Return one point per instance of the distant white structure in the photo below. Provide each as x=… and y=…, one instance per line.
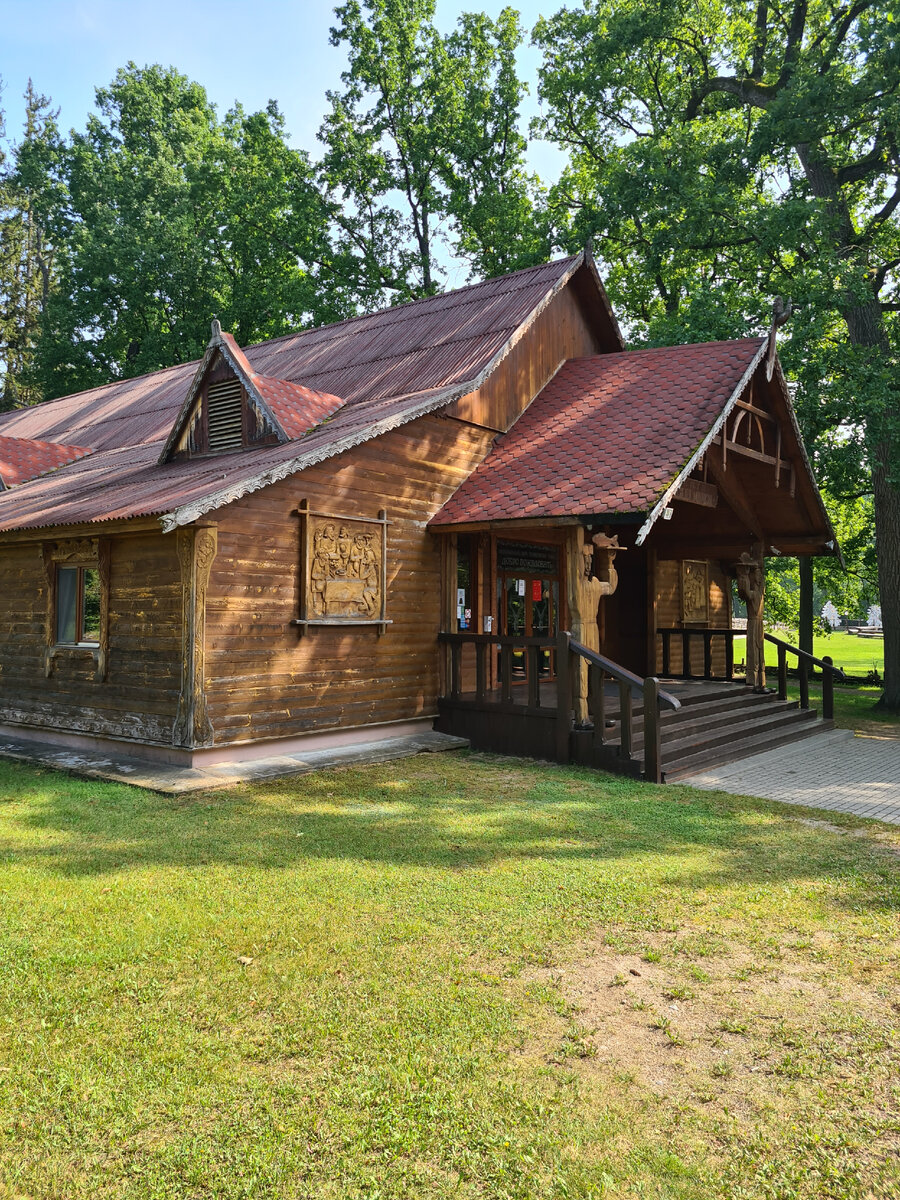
x=873, y=616
x=830, y=615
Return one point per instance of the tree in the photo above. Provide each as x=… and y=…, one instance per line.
x=173, y=216
x=424, y=139
x=723, y=151
x=28, y=195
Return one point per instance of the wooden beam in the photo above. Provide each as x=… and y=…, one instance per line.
x=695, y=491
x=730, y=489
x=758, y=412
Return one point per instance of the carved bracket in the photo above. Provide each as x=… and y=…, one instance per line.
x=196, y=551
x=343, y=569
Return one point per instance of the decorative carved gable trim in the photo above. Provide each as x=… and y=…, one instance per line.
x=222, y=350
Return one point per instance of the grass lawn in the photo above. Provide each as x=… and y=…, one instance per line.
x=854, y=708
x=855, y=655
x=452, y=976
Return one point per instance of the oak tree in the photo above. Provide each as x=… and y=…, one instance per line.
x=723, y=151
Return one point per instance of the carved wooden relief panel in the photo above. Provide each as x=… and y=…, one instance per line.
x=694, y=591
x=342, y=569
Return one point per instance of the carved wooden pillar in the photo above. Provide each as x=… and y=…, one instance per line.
x=196, y=551
x=751, y=583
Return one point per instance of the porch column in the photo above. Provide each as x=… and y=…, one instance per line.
x=751, y=584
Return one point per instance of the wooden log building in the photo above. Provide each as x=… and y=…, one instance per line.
x=425, y=514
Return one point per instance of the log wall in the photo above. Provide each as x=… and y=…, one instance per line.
x=264, y=678
x=668, y=615
x=561, y=331
x=139, y=696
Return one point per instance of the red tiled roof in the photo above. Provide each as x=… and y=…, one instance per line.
x=22, y=458
x=387, y=366
x=607, y=435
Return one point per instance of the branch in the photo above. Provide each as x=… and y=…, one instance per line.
x=794, y=40
x=761, y=39
x=858, y=170
x=748, y=91
x=882, y=215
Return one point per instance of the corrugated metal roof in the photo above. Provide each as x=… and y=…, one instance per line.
x=387, y=367
x=607, y=434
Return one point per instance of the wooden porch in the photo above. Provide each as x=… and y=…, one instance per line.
x=657, y=729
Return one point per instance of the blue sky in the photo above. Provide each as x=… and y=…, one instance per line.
x=252, y=52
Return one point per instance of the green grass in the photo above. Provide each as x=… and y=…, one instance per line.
x=854, y=708
x=470, y=977
x=854, y=655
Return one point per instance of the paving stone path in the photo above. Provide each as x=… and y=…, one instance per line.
x=840, y=770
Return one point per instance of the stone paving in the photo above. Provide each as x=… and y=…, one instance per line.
x=838, y=770
x=159, y=777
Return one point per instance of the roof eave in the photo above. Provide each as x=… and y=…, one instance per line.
x=717, y=425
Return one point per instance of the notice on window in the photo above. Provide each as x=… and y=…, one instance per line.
x=520, y=586
x=536, y=589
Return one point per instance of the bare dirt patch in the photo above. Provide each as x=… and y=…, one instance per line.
x=741, y=1039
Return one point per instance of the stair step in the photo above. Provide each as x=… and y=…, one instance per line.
x=743, y=699
x=713, y=718
x=743, y=748
x=724, y=725
x=676, y=748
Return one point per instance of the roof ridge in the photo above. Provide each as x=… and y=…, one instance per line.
x=392, y=308
x=194, y=362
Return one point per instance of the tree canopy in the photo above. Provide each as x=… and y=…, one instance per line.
x=423, y=147
x=722, y=152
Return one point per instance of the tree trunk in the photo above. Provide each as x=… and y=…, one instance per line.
x=865, y=327
x=887, y=547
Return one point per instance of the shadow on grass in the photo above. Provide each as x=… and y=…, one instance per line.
x=459, y=814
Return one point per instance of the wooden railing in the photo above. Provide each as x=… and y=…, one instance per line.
x=804, y=662
x=653, y=701
x=685, y=636
x=527, y=702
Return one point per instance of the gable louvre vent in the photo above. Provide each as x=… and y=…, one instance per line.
x=225, y=409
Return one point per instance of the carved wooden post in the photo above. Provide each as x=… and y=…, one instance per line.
x=652, y=739
x=751, y=584
x=196, y=551
x=101, y=656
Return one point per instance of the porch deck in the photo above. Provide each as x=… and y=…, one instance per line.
x=691, y=723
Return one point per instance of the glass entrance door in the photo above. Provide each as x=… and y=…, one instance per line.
x=528, y=599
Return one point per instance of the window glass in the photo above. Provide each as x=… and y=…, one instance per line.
x=90, y=630
x=67, y=604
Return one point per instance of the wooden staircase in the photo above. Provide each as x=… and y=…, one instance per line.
x=661, y=730
x=720, y=723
